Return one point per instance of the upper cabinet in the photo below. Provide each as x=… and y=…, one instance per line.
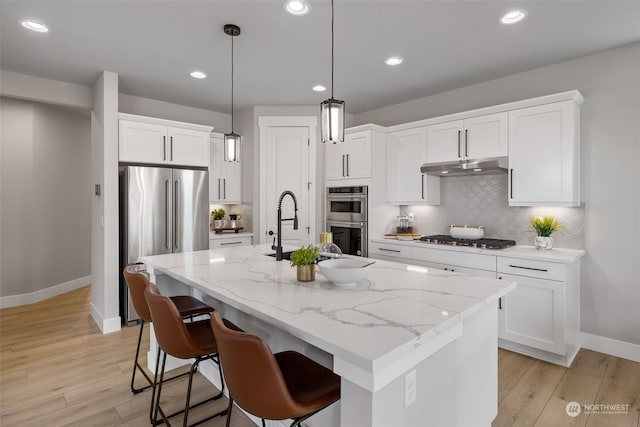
x=477, y=137
x=544, y=155
x=406, y=151
x=156, y=141
x=225, y=185
x=350, y=159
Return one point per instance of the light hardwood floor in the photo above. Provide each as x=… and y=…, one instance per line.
x=56, y=369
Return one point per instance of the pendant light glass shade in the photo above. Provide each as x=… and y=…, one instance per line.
x=332, y=110
x=232, y=147
x=232, y=140
x=332, y=119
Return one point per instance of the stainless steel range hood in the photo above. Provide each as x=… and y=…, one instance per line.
x=491, y=166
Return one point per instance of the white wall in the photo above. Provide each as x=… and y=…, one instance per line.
x=44, y=197
x=610, y=83
x=165, y=110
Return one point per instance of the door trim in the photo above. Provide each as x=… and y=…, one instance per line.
x=265, y=122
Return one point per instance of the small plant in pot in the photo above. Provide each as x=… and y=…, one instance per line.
x=218, y=215
x=544, y=226
x=304, y=260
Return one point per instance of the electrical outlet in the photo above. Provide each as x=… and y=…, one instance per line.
x=410, y=386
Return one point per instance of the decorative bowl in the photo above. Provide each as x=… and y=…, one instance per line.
x=344, y=271
x=466, y=232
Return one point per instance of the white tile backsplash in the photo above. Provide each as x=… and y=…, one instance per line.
x=482, y=200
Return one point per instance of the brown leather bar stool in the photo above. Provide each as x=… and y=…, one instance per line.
x=193, y=340
x=187, y=305
x=290, y=384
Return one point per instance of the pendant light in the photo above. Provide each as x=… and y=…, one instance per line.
x=332, y=110
x=232, y=140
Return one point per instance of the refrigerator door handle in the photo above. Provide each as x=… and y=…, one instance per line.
x=166, y=213
x=176, y=206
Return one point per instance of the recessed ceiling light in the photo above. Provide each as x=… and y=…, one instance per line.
x=444, y=172
x=319, y=88
x=297, y=7
x=513, y=16
x=477, y=170
x=394, y=60
x=34, y=26
x=198, y=75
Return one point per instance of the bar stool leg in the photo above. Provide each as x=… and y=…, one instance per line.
x=229, y=410
x=155, y=383
x=194, y=368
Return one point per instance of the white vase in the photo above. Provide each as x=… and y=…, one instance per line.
x=543, y=242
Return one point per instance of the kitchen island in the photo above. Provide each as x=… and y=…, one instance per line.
x=414, y=346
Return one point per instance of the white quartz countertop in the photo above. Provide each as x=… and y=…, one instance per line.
x=215, y=236
x=395, y=310
x=560, y=255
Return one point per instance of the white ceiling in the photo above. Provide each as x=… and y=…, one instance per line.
x=154, y=45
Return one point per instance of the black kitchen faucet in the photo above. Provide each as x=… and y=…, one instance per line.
x=278, y=247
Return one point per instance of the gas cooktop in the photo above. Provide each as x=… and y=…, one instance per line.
x=443, y=239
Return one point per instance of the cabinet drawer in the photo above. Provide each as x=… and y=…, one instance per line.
x=230, y=242
x=531, y=268
x=461, y=259
x=389, y=250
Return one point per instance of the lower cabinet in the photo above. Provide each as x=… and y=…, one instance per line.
x=229, y=242
x=534, y=313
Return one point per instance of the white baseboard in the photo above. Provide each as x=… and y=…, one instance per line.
x=623, y=349
x=43, y=294
x=106, y=325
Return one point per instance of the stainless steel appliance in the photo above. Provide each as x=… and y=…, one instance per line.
x=162, y=211
x=443, y=239
x=347, y=218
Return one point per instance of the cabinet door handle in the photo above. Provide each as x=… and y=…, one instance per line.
x=166, y=213
x=164, y=147
x=528, y=268
x=459, y=132
x=500, y=303
x=343, y=165
x=230, y=243
x=176, y=208
x=219, y=194
x=224, y=188
x=389, y=250
x=347, y=165
x=422, y=182
x=511, y=183
x=171, y=147
x=466, y=142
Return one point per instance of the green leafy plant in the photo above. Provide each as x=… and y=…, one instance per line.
x=544, y=226
x=218, y=213
x=305, y=256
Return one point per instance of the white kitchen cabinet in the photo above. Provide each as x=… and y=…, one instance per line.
x=225, y=178
x=405, y=154
x=350, y=159
x=155, y=141
x=542, y=315
x=544, y=155
x=477, y=137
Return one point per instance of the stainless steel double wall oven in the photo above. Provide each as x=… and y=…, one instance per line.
x=347, y=218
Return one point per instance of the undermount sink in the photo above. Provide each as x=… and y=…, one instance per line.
x=287, y=256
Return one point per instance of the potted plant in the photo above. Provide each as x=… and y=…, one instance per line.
x=304, y=260
x=218, y=222
x=544, y=226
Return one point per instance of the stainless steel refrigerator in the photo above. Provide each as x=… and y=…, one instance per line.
x=162, y=210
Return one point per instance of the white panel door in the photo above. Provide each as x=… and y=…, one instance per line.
x=533, y=314
x=288, y=169
x=142, y=142
x=188, y=147
x=444, y=142
x=486, y=136
x=544, y=155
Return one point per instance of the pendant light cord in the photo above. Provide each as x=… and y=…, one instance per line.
x=232, y=83
x=331, y=49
